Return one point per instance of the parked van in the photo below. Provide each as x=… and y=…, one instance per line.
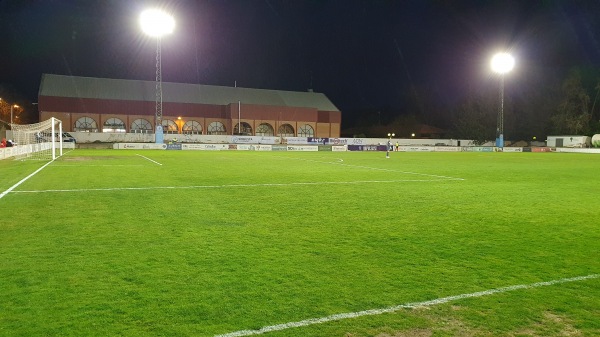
x=42, y=137
x=66, y=137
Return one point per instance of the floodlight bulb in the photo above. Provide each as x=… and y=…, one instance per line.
x=156, y=23
x=502, y=63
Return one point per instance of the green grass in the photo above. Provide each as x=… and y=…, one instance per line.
x=241, y=240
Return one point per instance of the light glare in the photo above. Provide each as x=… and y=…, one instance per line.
x=156, y=23
x=502, y=63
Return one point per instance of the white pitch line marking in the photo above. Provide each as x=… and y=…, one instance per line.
x=155, y=162
x=231, y=186
x=80, y=166
x=23, y=180
x=372, y=312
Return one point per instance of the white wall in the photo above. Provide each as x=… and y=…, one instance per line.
x=101, y=137
x=570, y=141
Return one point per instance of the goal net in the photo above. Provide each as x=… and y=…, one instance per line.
x=41, y=141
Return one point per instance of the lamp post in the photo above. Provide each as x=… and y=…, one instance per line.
x=157, y=23
x=179, y=124
x=11, y=112
x=501, y=64
x=389, y=144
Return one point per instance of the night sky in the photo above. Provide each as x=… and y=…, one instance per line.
x=364, y=55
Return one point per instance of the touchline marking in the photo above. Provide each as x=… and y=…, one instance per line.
x=229, y=186
x=23, y=180
x=155, y=162
x=372, y=312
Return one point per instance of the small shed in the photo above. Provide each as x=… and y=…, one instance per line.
x=569, y=141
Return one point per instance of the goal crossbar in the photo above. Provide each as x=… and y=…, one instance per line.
x=41, y=141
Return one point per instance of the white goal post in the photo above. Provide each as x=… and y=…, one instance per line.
x=41, y=141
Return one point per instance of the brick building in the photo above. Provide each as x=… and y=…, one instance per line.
x=88, y=104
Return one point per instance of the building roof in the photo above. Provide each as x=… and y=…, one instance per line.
x=428, y=129
x=135, y=90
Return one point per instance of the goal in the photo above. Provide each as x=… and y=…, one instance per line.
x=41, y=141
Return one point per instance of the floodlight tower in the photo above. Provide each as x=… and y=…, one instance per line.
x=157, y=23
x=501, y=64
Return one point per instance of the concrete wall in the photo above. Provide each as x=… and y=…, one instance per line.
x=569, y=141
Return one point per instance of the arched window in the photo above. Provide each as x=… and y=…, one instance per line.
x=306, y=131
x=246, y=129
x=86, y=124
x=285, y=130
x=169, y=127
x=114, y=125
x=141, y=126
x=192, y=128
x=216, y=128
x=265, y=130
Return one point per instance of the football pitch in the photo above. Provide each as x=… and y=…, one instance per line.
x=349, y=244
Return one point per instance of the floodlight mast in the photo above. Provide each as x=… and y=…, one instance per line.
x=501, y=63
x=158, y=93
x=157, y=23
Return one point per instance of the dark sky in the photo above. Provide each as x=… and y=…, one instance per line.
x=361, y=54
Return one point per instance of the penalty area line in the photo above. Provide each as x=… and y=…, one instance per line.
x=373, y=312
x=154, y=161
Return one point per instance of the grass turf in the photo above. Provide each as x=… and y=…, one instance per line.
x=172, y=243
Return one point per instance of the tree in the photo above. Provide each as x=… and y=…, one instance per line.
x=595, y=123
x=8, y=97
x=573, y=114
x=5, y=114
x=476, y=119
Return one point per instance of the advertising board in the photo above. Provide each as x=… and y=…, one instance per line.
x=366, y=147
x=176, y=146
x=416, y=148
x=139, y=146
x=207, y=147
x=255, y=140
x=302, y=148
x=447, y=149
x=315, y=141
x=483, y=149
x=295, y=140
x=278, y=148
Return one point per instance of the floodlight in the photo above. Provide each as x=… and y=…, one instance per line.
x=502, y=63
x=156, y=22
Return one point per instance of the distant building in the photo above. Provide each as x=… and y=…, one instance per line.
x=431, y=132
x=111, y=105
